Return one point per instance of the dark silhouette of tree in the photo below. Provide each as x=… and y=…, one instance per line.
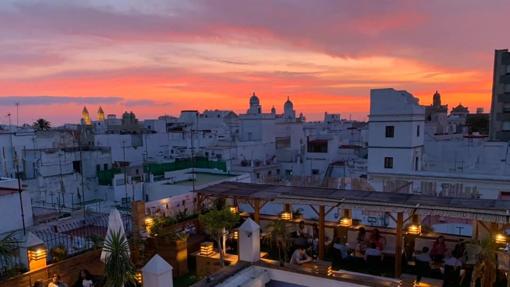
x=41, y=125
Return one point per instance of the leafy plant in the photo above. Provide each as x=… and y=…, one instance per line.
x=8, y=246
x=118, y=267
x=162, y=227
x=58, y=253
x=97, y=241
x=279, y=238
x=181, y=215
x=216, y=223
x=41, y=125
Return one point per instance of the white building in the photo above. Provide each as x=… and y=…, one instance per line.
x=395, y=133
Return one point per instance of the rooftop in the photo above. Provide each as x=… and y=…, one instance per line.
x=481, y=209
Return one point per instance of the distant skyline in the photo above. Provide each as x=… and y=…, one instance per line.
x=158, y=57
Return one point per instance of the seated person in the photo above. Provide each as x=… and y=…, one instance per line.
x=452, y=271
x=422, y=261
x=373, y=259
x=372, y=251
x=342, y=248
x=439, y=249
x=299, y=256
x=377, y=239
x=302, y=231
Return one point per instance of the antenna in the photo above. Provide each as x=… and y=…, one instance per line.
x=17, y=114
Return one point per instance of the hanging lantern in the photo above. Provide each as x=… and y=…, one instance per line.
x=415, y=227
x=139, y=277
x=346, y=219
x=149, y=222
x=206, y=248
x=500, y=238
x=234, y=209
x=286, y=215
x=235, y=234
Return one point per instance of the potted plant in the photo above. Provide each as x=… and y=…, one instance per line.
x=279, y=238
x=216, y=223
x=119, y=270
x=58, y=253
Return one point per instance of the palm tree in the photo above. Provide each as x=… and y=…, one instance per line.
x=41, y=125
x=279, y=237
x=118, y=267
x=216, y=223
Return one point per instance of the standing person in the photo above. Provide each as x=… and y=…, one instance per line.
x=439, y=249
x=361, y=240
x=422, y=261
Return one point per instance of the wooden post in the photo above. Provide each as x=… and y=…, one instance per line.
x=474, y=235
x=256, y=212
x=398, y=244
x=287, y=207
x=322, y=215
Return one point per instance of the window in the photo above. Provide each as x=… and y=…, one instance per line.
x=315, y=171
x=258, y=175
x=77, y=166
x=418, y=131
x=390, y=131
x=417, y=163
x=105, y=166
x=506, y=126
x=388, y=162
x=98, y=167
x=506, y=108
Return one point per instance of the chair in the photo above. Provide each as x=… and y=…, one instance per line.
x=451, y=276
x=374, y=264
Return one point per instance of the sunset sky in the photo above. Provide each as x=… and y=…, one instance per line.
x=158, y=57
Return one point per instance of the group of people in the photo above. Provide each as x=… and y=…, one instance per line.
x=450, y=261
x=304, y=239
x=84, y=280
x=370, y=243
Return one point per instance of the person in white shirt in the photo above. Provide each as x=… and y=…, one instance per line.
x=299, y=256
x=372, y=251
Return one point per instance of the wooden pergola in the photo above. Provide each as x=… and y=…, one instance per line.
x=324, y=200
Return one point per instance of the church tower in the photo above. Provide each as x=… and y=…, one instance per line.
x=255, y=108
x=85, y=117
x=288, y=110
x=100, y=114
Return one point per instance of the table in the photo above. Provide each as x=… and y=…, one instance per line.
x=317, y=267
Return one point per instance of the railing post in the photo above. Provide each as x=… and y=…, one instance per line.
x=322, y=215
x=398, y=245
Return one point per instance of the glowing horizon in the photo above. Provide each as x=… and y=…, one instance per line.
x=159, y=57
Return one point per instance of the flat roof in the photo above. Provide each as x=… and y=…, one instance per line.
x=490, y=210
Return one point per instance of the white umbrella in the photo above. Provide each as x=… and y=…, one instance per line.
x=116, y=225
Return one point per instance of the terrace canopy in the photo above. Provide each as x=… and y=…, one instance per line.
x=326, y=199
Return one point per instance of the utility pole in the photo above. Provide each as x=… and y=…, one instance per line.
x=193, y=155
x=62, y=190
x=20, y=189
x=17, y=114
x=125, y=170
x=82, y=175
